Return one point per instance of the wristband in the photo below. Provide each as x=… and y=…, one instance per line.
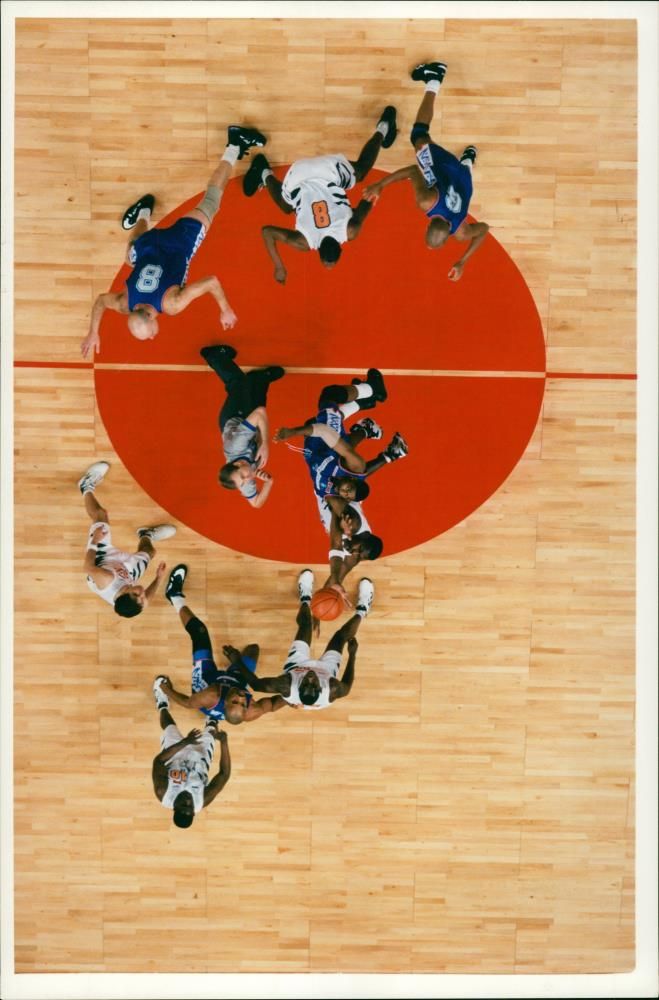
x=337, y=554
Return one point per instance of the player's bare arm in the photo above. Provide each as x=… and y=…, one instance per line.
x=358, y=217
x=117, y=302
x=266, y=685
x=276, y=234
x=264, y=705
x=339, y=689
x=198, y=699
x=215, y=786
x=372, y=191
x=153, y=586
x=474, y=231
x=177, y=299
x=259, y=419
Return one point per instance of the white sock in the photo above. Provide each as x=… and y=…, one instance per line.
x=266, y=173
x=362, y=612
x=178, y=602
x=433, y=86
x=382, y=128
x=87, y=489
x=467, y=163
x=144, y=213
x=347, y=409
x=364, y=390
x=231, y=154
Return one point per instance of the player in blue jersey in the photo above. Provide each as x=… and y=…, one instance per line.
x=442, y=183
x=218, y=692
x=160, y=258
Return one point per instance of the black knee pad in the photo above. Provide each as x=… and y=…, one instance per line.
x=419, y=131
x=332, y=395
x=199, y=634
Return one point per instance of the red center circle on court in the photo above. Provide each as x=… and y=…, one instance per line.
x=387, y=304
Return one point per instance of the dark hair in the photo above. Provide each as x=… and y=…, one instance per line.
x=371, y=544
x=362, y=490
x=437, y=233
x=126, y=606
x=183, y=819
x=329, y=250
x=225, y=475
x=308, y=697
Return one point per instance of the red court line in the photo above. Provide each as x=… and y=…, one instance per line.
x=466, y=374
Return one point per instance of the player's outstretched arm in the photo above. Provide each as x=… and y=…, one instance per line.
x=215, y=786
x=180, y=300
x=372, y=191
x=267, y=685
x=358, y=217
x=276, y=234
x=198, y=699
x=474, y=231
x=153, y=586
x=117, y=302
x=339, y=689
x=283, y=433
x=263, y=706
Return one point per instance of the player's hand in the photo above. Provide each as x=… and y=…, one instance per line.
x=231, y=653
x=160, y=572
x=371, y=193
x=456, y=271
x=280, y=274
x=281, y=434
x=221, y=736
x=193, y=737
x=315, y=628
x=353, y=645
x=91, y=345
x=228, y=318
x=262, y=474
x=166, y=684
x=100, y=534
x=341, y=590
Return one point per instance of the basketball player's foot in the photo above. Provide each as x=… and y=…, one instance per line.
x=216, y=356
x=369, y=427
x=162, y=701
x=365, y=593
x=175, y=583
x=305, y=586
x=469, y=153
x=156, y=532
x=253, y=179
x=245, y=138
x=93, y=476
x=274, y=373
x=429, y=71
x=388, y=118
x=375, y=380
x=397, y=448
x=131, y=215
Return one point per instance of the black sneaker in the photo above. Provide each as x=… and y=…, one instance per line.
x=375, y=380
x=274, y=373
x=244, y=138
x=469, y=153
x=429, y=71
x=369, y=427
x=216, y=355
x=253, y=179
x=397, y=448
x=175, y=583
x=129, y=220
x=388, y=116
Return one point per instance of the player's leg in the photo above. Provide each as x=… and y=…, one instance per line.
x=366, y=428
x=257, y=383
x=201, y=641
x=303, y=619
x=87, y=485
x=382, y=138
x=432, y=74
x=220, y=357
x=365, y=393
x=260, y=176
x=240, y=140
x=396, y=449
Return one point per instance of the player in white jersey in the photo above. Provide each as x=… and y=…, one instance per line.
x=315, y=189
x=112, y=573
x=313, y=683
x=180, y=770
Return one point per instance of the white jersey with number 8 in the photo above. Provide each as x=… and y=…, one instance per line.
x=316, y=189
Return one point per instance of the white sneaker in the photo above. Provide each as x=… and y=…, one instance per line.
x=365, y=594
x=93, y=476
x=157, y=531
x=305, y=585
x=162, y=701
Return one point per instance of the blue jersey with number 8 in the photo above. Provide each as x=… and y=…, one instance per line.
x=160, y=259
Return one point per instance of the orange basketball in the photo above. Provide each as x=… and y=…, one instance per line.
x=327, y=604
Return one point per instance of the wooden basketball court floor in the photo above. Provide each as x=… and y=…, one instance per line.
x=470, y=807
